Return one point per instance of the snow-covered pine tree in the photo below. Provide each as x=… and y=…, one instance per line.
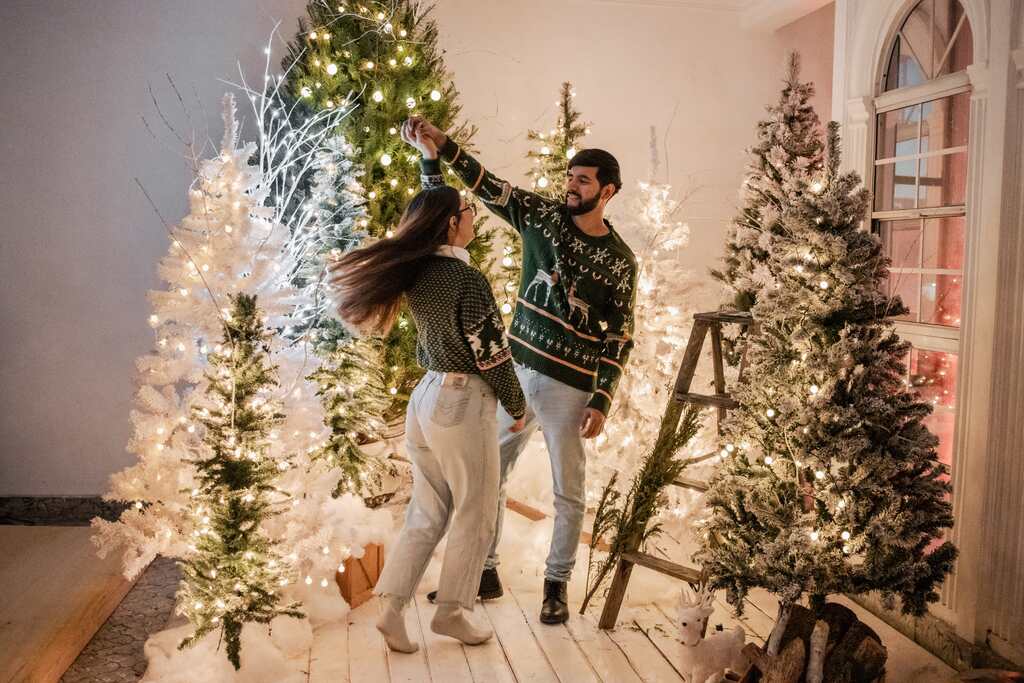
x=832, y=483
x=235, y=573
x=789, y=146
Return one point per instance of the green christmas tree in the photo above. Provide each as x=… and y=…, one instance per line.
x=383, y=58
x=831, y=482
x=354, y=398
x=233, y=574
x=549, y=155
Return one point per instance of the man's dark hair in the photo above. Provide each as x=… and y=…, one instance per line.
x=607, y=166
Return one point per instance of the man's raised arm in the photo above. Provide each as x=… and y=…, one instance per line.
x=500, y=196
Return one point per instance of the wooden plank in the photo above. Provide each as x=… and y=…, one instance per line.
x=489, y=662
x=676, y=571
x=716, y=400
x=531, y=513
x=661, y=631
x=604, y=656
x=562, y=652
x=691, y=356
x=57, y=594
x=367, y=659
x=525, y=656
x=728, y=317
x=328, y=658
x=410, y=668
x=445, y=656
x=692, y=484
x=643, y=656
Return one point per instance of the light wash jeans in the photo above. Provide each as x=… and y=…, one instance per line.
x=451, y=435
x=557, y=409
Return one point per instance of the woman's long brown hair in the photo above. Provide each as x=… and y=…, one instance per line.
x=369, y=282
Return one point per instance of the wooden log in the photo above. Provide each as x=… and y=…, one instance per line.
x=816, y=655
x=786, y=667
x=842, y=663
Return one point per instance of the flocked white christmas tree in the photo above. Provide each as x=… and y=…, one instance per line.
x=236, y=240
x=668, y=294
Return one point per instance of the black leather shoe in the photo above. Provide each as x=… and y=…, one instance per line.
x=490, y=587
x=555, y=609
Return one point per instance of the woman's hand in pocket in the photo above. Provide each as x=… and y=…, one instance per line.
x=518, y=425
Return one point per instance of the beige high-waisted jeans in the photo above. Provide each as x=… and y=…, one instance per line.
x=451, y=434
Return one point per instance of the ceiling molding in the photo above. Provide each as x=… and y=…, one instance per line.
x=734, y=6
x=771, y=15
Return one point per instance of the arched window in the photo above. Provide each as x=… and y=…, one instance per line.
x=920, y=180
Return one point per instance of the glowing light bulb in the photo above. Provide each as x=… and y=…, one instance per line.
x=370, y=65
x=385, y=159
x=770, y=412
x=823, y=284
x=154, y=320
x=378, y=96
x=814, y=535
x=507, y=262
x=768, y=460
x=332, y=68
x=407, y=61
x=309, y=580
x=312, y=35
x=570, y=153
x=410, y=102
x=306, y=92
x=545, y=150
x=845, y=535
x=542, y=182
x=506, y=308
x=820, y=474
x=816, y=187
x=814, y=389
x=393, y=391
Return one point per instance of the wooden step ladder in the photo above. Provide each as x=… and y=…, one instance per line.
x=703, y=323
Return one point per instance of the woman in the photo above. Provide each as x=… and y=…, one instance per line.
x=451, y=425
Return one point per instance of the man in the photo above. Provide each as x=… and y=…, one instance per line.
x=571, y=333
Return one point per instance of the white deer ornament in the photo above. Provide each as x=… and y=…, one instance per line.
x=705, y=658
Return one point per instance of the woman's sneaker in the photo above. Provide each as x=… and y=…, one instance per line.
x=490, y=587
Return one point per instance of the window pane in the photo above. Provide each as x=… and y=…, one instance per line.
x=940, y=300
x=948, y=16
x=943, y=180
x=934, y=374
x=944, y=122
x=902, y=240
x=906, y=286
x=916, y=45
x=944, y=243
x=897, y=132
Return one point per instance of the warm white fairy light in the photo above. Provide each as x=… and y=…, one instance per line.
x=332, y=69
x=435, y=95
x=378, y=96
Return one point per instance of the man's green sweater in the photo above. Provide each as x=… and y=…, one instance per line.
x=574, y=313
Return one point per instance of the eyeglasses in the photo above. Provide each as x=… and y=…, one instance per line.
x=471, y=207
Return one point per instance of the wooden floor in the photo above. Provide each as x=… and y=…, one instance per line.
x=522, y=649
x=56, y=594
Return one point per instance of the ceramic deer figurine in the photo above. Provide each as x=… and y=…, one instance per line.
x=705, y=658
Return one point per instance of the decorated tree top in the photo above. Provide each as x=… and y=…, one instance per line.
x=551, y=151
x=382, y=58
x=789, y=148
x=832, y=482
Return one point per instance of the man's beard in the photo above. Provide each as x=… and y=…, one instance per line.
x=583, y=206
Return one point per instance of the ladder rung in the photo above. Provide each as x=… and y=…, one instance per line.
x=661, y=566
x=724, y=317
x=692, y=484
x=719, y=400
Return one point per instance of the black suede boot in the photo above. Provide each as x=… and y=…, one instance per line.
x=555, y=609
x=490, y=587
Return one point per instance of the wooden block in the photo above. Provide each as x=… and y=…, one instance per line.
x=57, y=594
x=361, y=575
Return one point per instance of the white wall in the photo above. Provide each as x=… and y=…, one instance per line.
x=80, y=244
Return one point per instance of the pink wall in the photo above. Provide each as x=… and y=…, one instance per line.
x=813, y=36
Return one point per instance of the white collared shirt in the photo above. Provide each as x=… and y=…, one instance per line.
x=453, y=252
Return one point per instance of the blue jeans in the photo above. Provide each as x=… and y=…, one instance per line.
x=557, y=409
